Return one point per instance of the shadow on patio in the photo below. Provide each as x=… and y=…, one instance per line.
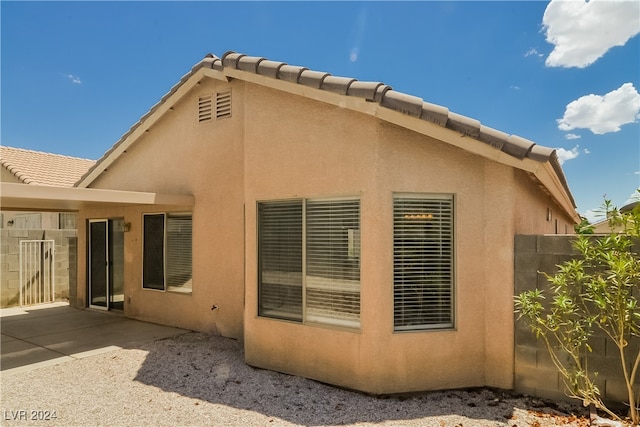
x=53, y=333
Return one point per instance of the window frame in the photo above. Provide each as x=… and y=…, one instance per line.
x=165, y=245
x=353, y=254
x=427, y=326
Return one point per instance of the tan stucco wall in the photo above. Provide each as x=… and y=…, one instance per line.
x=307, y=149
x=181, y=156
x=278, y=146
x=537, y=213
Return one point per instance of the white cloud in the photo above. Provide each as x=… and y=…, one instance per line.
x=597, y=214
x=583, y=31
x=603, y=114
x=636, y=173
x=533, y=52
x=564, y=155
x=514, y=87
x=74, y=79
x=358, y=35
x=593, y=215
x=635, y=196
x=572, y=136
x=353, y=55
x=586, y=151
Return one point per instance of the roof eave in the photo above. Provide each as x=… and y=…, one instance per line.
x=431, y=120
x=541, y=166
x=15, y=196
x=547, y=175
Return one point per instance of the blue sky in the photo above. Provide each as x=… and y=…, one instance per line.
x=565, y=74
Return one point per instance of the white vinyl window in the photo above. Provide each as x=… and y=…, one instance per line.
x=309, y=261
x=423, y=270
x=167, y=252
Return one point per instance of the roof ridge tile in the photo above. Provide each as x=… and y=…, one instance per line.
x=290, y=73
x=312, y=78
x=518, y=146
x=434, y=113
x=365, y=90
x=336, y=84
x=463, y=124
x=493, y=137
x=383, y=94
x=231, y=58
x=249, y=63
x=402, y=102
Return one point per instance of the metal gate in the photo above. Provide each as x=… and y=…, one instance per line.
x=37, y=281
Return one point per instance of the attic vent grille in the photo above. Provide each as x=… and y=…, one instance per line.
x=223, y=104
x=204, y=108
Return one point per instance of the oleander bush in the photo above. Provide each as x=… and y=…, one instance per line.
x=598, y=290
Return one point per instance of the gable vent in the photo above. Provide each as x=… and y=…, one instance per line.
x=223, y=104
x=204, y=108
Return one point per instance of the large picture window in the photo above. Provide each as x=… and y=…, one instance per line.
x=309, y=261
x=167, y=252
x=423, y=278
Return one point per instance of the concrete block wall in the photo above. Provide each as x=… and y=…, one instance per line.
x=535, y=373
x=65, y=262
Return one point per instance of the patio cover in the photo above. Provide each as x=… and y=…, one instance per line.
x=26, y=197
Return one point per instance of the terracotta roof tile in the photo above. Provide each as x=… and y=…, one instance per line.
x=512, y=145
x=36, y=167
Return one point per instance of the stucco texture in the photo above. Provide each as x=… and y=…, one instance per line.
x=300, y=148
x=279, y=146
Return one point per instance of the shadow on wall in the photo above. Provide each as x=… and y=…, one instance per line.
x=212, y=369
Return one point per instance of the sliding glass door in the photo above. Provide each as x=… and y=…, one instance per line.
x=106, y=264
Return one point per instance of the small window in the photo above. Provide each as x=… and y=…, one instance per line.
x=309, y=261
x=423, y=275
x=167, y=252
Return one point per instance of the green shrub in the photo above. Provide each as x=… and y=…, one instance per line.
x=597, y=290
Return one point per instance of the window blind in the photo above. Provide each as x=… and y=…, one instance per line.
x=423, y=261
x=179, y=253
x=332, y=281
x=280, y=259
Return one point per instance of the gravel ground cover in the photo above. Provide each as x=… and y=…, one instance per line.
x=197, y=379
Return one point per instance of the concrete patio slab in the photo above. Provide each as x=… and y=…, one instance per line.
x=49, y=334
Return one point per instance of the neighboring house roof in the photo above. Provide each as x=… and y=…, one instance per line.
x=374, y=98
x=603, y=227
x=36, y=167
